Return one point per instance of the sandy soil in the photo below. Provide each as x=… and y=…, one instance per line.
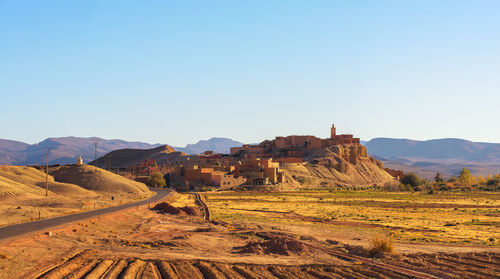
x=144, y=243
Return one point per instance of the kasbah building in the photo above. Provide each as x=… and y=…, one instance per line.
x=249, y=164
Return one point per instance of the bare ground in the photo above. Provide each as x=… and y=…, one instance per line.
x=144, y=243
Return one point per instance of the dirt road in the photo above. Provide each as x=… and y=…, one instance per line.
x=28, y=227
x=201, y=202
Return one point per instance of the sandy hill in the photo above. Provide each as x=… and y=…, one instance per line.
x=26, y=182
x=71, y=189
x=96, y=179
x=132, y=157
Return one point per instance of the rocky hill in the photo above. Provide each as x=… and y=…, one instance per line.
x=133, y=157
x=333, y=162
x=342, y=165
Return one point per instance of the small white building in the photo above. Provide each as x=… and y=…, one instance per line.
x=79, y=161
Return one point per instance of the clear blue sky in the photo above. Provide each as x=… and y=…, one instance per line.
x=178, y=71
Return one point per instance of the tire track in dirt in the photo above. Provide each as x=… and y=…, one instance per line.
x=201, y=202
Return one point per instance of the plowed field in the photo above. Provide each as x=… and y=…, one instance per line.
x=89, y=265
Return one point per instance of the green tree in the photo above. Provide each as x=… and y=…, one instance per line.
x=412, y=179
x=156, y=180
x=438, y=178
x=465, y=177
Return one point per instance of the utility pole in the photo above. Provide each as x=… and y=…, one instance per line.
x=95, y=154
x=47, y=174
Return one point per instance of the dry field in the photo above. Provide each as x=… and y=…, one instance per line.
x=448, y=218
x=144, y=243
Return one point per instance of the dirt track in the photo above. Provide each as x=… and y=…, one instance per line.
x=203, y=205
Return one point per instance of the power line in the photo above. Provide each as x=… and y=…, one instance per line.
x=95, y=154
x=47, y=173
x=95, y=151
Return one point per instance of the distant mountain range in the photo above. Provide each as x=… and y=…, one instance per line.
x=65, y=150
x=438, y=149
x=447, y=156
x=217, y=145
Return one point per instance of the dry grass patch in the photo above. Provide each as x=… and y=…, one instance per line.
x=416, y=217
x=381, y=245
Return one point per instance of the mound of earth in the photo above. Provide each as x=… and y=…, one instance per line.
x=190, y=210
x=96, y=179
x=275, y=245
x=26, y=182
x=133, y=157
x=165, y=207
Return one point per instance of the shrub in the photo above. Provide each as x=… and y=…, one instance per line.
x=380, y=245
x=438, y=178
x=493, y=182
x=301, y=179
x=405, y=187
x=465, y=178
x=414, y=181
x=156, y=180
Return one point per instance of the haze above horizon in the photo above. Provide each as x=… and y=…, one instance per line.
x=176, y=72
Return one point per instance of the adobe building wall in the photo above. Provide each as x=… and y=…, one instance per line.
x=272, y=174
x=235, y=150
x=229, y=181
x=315, y=143
x=282, y=142
x=295, y=153
x=289, y=160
